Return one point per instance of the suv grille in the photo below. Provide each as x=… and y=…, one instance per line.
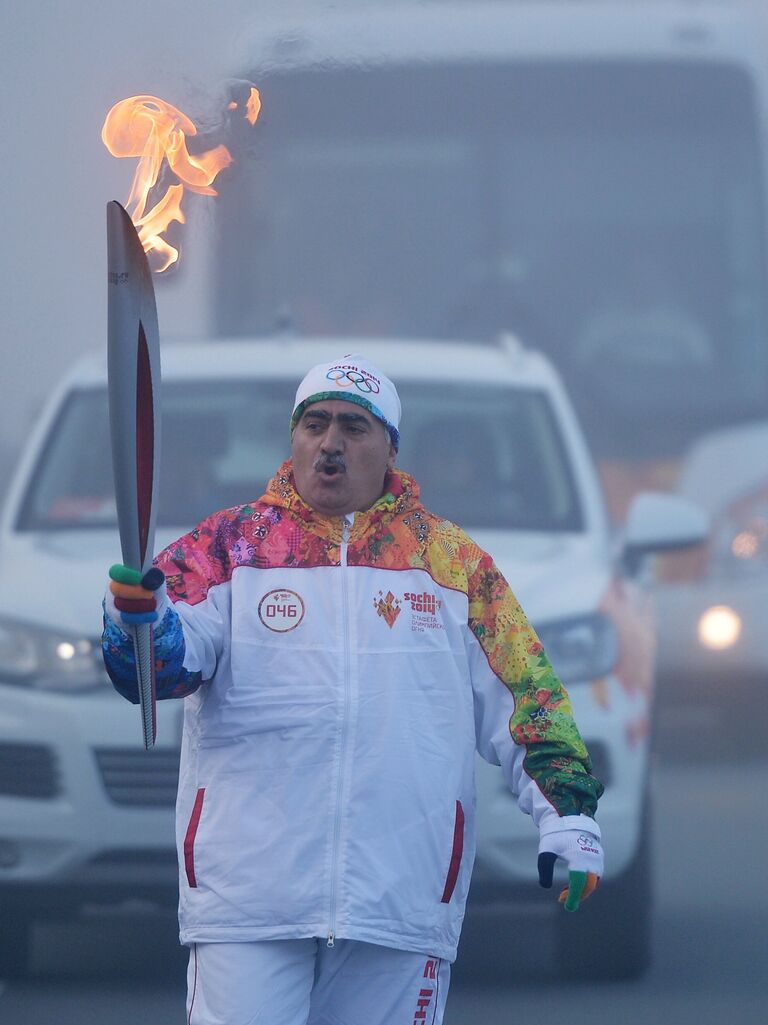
x=28, y=770
x=137, y=777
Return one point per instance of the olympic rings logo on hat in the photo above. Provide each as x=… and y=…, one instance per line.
x=347, y=378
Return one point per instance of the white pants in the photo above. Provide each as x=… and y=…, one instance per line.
x=306, y=982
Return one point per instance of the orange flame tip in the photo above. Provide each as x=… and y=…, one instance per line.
x=156, y=132
x=253, y=106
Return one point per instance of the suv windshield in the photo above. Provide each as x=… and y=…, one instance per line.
x=610, y=213
x=496, y=460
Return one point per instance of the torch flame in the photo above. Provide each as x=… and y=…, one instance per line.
x=156, y=132
x=253, y=106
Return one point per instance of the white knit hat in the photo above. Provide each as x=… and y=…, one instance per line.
x=355, y=379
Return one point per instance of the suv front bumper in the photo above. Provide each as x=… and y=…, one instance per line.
x=85, y=812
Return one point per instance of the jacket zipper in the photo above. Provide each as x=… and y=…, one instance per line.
x=344, y=731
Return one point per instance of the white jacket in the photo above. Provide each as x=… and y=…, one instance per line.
x=339, y=679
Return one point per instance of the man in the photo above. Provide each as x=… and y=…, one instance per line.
x=343, y=652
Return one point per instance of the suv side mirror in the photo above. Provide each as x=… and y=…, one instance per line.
x=661, y=522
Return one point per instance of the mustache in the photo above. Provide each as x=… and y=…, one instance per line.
x=332, y=459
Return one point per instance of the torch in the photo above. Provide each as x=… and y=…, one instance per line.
x=156, y=132
x=133, y=349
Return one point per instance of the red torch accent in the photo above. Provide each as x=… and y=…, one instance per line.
x=145, y=440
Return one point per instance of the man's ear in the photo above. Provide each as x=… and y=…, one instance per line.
x=392, y=457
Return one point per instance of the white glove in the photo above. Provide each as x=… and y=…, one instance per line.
x=583, y=854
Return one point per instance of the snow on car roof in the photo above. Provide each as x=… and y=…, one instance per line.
x=508, y=362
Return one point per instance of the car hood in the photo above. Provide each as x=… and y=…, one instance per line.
x=57, y=580
x=554, y=576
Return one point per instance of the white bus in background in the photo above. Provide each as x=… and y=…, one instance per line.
x=590, y=176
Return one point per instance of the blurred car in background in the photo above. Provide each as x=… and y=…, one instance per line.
x=86, y=814
x=713, y=644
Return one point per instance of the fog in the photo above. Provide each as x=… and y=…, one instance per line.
x=62, y=69
x=612, y=215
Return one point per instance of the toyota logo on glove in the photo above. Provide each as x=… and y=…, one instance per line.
x=587, y=843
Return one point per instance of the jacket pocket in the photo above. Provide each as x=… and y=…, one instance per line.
x=456, y=852
x=189, y=839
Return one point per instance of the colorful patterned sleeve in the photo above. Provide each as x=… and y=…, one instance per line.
x=189, y=636
x=201, y=559
x=542, y=722
x=172, y=679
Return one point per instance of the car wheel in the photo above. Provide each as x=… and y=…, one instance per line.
x=609, y=937
x=15, y=942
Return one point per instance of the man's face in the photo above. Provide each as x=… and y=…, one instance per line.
x=341, y=454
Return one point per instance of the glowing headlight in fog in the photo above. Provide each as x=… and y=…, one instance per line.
x=32, y=656
x=719, y=627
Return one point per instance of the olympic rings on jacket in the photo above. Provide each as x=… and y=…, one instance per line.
x=347, y=378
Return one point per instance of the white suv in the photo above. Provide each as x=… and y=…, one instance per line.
x=86, y=815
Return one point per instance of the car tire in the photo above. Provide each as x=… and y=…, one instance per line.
x=15, y=942
x=609, y=937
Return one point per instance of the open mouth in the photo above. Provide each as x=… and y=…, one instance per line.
x=330, y=467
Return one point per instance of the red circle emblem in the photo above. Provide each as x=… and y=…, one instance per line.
x=281, y=610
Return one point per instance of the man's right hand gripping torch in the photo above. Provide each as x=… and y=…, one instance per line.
x=582, y=853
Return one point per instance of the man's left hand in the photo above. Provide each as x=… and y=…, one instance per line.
x=583, y=854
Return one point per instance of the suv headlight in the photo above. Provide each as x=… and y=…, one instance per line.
x=581, y=648
x=32, y=656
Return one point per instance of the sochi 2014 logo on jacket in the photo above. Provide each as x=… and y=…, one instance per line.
x=388, y=607
x=281, y=610
x=423, y=606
